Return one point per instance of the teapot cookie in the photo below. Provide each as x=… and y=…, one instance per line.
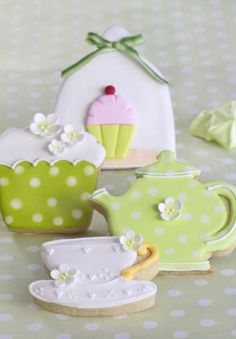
x=187, y=220
x=98, y=276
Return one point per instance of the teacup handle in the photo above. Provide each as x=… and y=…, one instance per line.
x=226, y=238
x=146, y=248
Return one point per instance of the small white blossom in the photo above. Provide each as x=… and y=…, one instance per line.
x=64, y=275
x=56, y=146
x=72, y=135
x=44, y=125
x=131, y=241
x=170, y=209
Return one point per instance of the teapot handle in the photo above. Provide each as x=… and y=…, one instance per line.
x=149, y=261
x=226, y=237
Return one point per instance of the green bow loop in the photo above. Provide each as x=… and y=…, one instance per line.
x=125, y=46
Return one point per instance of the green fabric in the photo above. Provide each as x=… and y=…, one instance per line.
x=124, y=46
x=217, y=125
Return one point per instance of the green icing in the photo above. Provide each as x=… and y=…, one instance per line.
x=46, y=197
x=205, y=223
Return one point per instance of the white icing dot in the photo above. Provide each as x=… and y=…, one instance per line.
x=33, y=248
x=9, y=219
x=19, y=169
x=89, y=170
x=180, y=334
x=194, y=253
x=33, y=267
x=6, y=296
x=16, y=204
x=233, y=332
x=58, y=221
x=115, y=205
x=182, y=197
x=227, y=161
x=35, y=182
x=218, y=208
x=152, y=191
x=92, y=326
x=6, y=276
x=5, y=240
x=230, y=291
x=182, y=238
x=136, y=194
x=63, y=336
x=228, y=272
x=174, y=293
x=85, y=196
x=170, y=250
x=121, y=335
x=6, y=317
x=187, y=216
x=37, y=217
x=159, y=230
x=205, y=219
x=4, y=182
x=34, y=327
x=207, y=322
x=201, y=282
x=54, y=171
x=52, y=202
x=6, y=258
x=62, y=316
x=232, y=311
x=121, y=316
x=5, y=336
x=150, y=324
x=71, y=181
x=177, y=313
x=204, y=302
x=136, y=215
x=77, y=214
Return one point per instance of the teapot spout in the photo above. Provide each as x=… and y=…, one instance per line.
x=102, y=199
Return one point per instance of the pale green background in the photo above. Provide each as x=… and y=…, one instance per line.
x=193, y=43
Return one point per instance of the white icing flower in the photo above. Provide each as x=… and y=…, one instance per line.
x=72, y=135
x=131, y=241
x=64, y=275
x=56, y=146
x=44, y=125
x=170, y=209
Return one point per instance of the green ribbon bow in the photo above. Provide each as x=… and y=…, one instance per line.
x=125, y=45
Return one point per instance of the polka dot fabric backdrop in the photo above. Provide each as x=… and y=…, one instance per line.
x=193, y=43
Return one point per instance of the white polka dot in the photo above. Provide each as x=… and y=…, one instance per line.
x=227, y=161
x=136, y=195
x=34, y=327
x=35, y=182
x=33, y=248
x=150, y=324
x=33, y=267
x=182, y=197
x=5, y=336
x=152, y=191
x=159, y=230
x=52, y=202
x=32, y=306
x=63, y=336
x=230, y=291
x=228, y=272
x=200, y=282
x=205, y=219
x=169, y=250
x=187, y=216
x=19, y=169
x=204, y=302
x=136, y=215
x=115, y=205
x=89, y=170
x=192, y=183
x=77, y=214
x=85, y=196
x=6, y=317
x=71, y=181
x=232, y=311
x=92, y=326
x=54, y=171
x=5, y=240
x=6, y=257
x=16, y=204
x=6, y=276
x=208, y=192
x=182, y=238
x=58, y=221
x=180, y=334
x=9, y=219
x=219, y=209
x=233, y=333
x=207, y=322
x=37, y=217
x=174, y=293
x=121, y=335
x=194, y=253
x=4, y=182
x=62, y=316
x=121, y=316
x=177, y=313
x=6, y=296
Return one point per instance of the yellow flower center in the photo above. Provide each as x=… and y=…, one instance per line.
x=45, y=127
x=72, y=136
x=64, y=276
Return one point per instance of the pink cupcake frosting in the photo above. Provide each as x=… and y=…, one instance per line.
x=110, y=109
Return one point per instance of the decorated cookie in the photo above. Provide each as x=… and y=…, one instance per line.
x=139, y=86
x=95, y=276
x=187, y=220
x=111, y=119
x=47, y=172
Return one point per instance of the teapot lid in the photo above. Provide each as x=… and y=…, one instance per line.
x=167, y=166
